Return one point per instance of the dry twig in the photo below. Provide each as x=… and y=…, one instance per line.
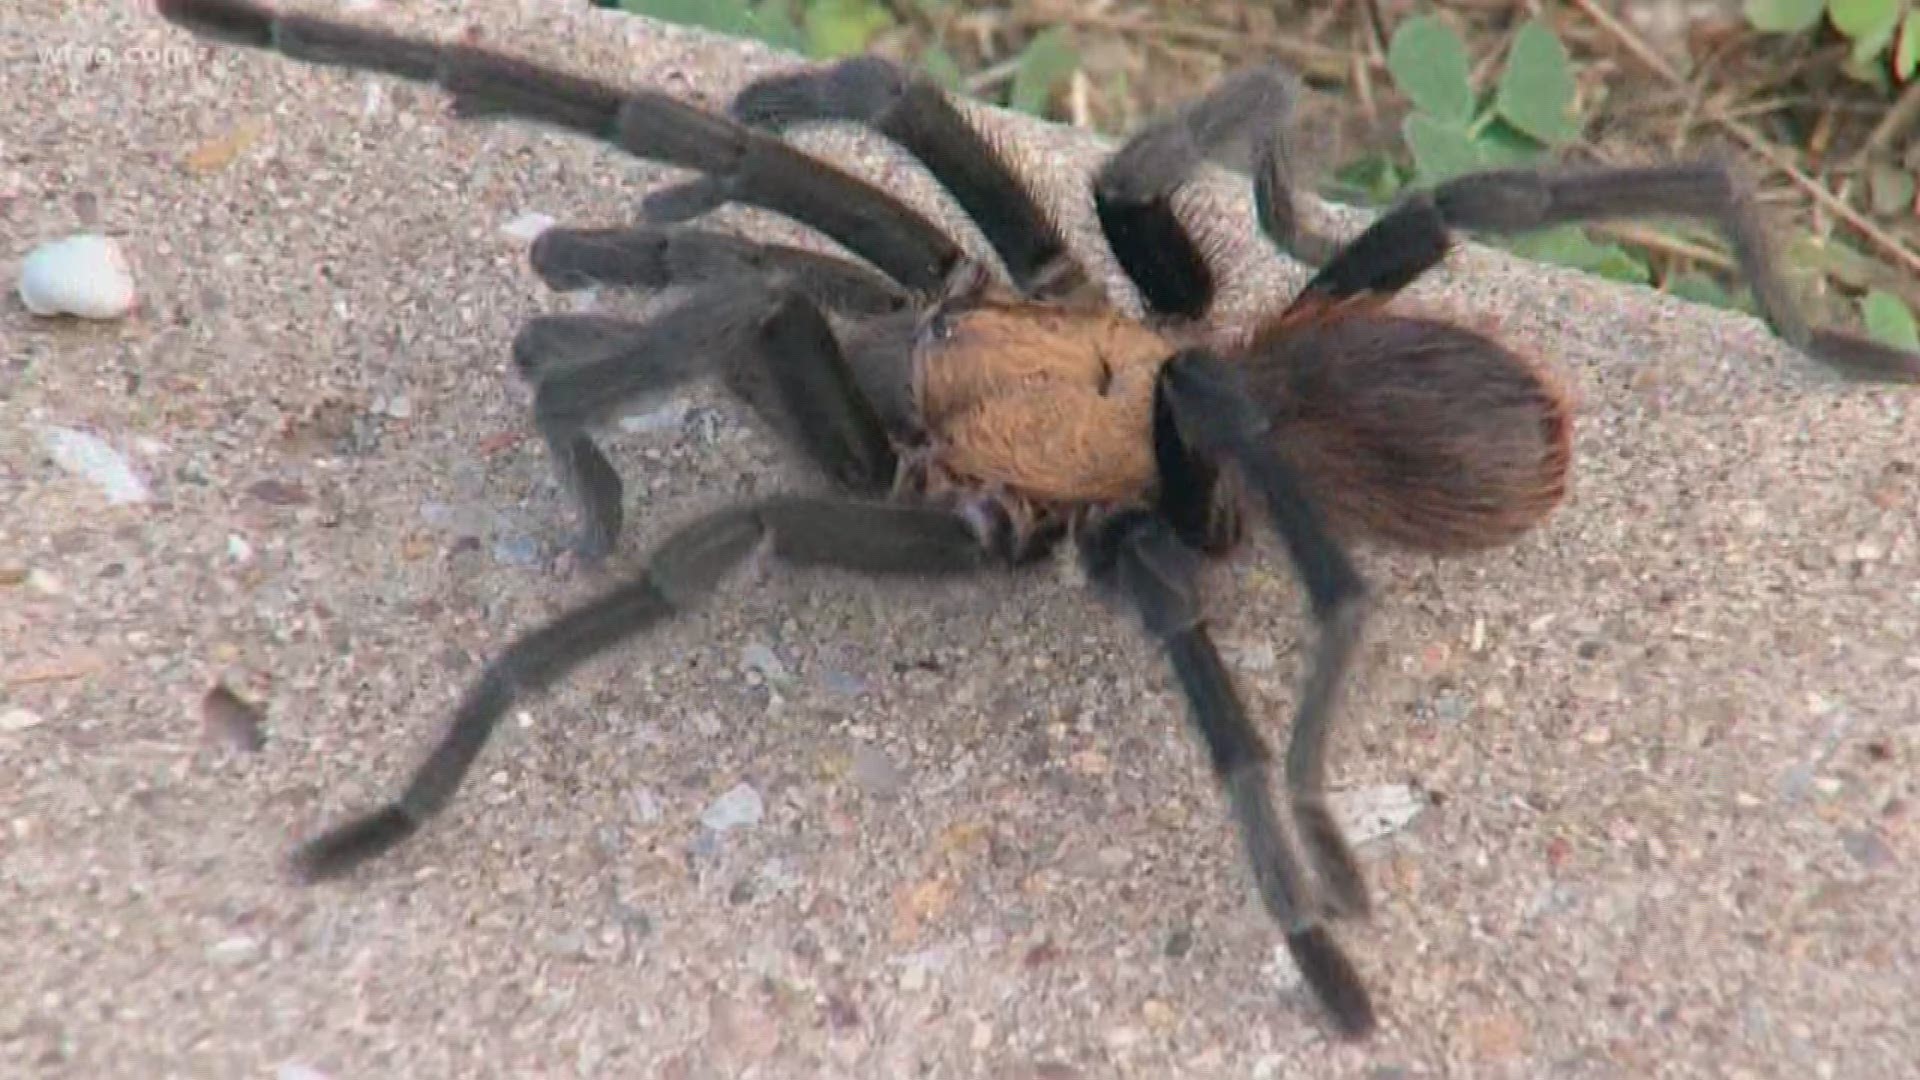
x=1757, y=142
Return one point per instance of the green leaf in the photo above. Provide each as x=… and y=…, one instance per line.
x=726, y=16
x=1569, y=245
x=837, y=28
x=1856, y=18
x=1871, y=44
x=1784, y=16
x=722, y=16
x=1049, y=60
x=1441, y=151
x=1616, y=263
x=1906, y=56
x=1502, y=145
x=1536, y=89
x=1429, y=64
x=1699, y=288
x=1890, y=321
x=1812, y=256
x=777, y=26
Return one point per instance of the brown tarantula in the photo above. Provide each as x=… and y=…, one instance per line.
x=968, y=423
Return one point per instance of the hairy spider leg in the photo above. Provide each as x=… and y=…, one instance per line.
x=917, y=115
x=655, y=257
x=1138, y=556
x=1203, y=412
x=773, y=348
x=682, y=571
x=1415, y=235
x=740, y=164
x=1134, y=193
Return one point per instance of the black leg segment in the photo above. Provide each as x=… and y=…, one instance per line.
x=918, y=115
x=1134, y=192
x=653, y=258
x=1216, y=418
x=741, y=164
x=1138, y=556
x=770, y=344
x=682, y=571
x=1414, y=236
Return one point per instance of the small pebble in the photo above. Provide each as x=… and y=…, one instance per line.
x=234, y=950
x=516, y=550
x=740, y=806
x=279, y=493
x=294, y=1070
x=646, y=806
x=1256, y=656
x=1450, y=706
x=86, y=455
x=1370, y=813
x=20, y=720
x=1867, y=848
x=231, y=722
x=658, y=418
x=84, y=275
x=528, y=226
x=913, y=979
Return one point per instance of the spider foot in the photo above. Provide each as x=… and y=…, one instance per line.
x=863, y=89
x=336, y=852
x=1334, y=980
x=1301, y=908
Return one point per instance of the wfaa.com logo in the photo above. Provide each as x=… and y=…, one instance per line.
x=85, y=55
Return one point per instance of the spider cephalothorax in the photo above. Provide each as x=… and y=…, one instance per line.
x=966, y=423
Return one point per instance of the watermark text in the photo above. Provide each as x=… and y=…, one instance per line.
x=78, y=56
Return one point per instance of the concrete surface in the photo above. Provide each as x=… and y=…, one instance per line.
x=1672, y=737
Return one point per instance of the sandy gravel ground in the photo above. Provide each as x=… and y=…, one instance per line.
x=1668, y=743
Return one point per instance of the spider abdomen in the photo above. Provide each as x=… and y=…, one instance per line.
x=1415, y=430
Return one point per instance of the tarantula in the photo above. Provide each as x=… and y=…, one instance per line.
x=968, y=423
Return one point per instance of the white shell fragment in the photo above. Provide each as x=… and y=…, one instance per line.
x=528, y=226
x=84, y=275
x=739, y=807
x=86, y=455
x=1367, y=814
